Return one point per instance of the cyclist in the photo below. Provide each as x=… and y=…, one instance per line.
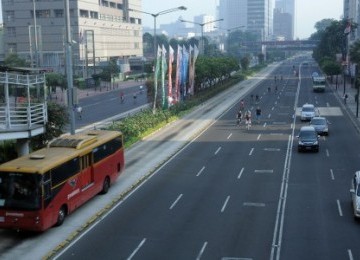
x=238, y=117
x=248, y=119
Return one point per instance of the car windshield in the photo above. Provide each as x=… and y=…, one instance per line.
x=19, y=191
x=308, y=109
x=358, y=190
x=318, y=121
x=307, y=134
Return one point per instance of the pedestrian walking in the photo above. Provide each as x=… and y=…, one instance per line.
x=345, y=98
x=242, y=105
x=122, y=96
x=79, y=111
x=258, y=114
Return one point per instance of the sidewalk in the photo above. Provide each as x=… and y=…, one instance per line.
x=350, y=106
x=59, y=95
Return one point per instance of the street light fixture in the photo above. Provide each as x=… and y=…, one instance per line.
x=155, y=15
x=202, y=30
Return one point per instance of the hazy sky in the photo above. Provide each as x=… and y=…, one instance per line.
x=308, y=12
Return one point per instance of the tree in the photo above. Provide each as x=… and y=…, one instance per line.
x=58, y=119
x=245, y=62
x=13, y=60
x=332, y=40
x=331, y=68
x=53, y=80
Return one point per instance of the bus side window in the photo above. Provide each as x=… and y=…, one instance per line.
x=85, y=161
x=47, y=186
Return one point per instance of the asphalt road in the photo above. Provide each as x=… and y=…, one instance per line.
x=234, y=193
x=108, y=104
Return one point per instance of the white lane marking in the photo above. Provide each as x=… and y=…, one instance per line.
x=225, y=203
x=263, y=171
x=201, y=251
x=269, y=115
x=229, y=136
x=259, y=136
x=251, y=151
x=339, y=208
x=332, y=174
x=137, y=249
x=176, y=201
x=241, y=172
x=264, y=125
x=276, y=134
x=201, y=170
x=236, y=258
x=218, y=150
x=279, y=123
x=272, y=149
x=272, y=109
x=253, y=204
x=327, y=153
x=350, y=254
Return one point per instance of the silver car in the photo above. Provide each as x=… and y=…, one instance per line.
x=355, y=194
x=308, y=111
x=320, y=124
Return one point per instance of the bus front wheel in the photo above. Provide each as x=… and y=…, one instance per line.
x=106, y=185
x=61, y=216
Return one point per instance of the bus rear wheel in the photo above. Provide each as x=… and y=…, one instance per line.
x=61, y=216
x=106, y=186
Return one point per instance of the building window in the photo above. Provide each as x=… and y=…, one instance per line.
x=84, y=13
x=11, y=31
x=12, y=48
x=112, y=5
x=136, y=45
x=94, y=15
x=43, y=13
x=59, y=13
x=120, y=6
x=9, y=16
x=105, y=3
x=132, y=20
x=8, y=2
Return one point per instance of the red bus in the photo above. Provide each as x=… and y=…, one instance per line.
x=38, y=190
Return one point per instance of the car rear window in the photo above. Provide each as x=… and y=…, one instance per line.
x=308, y=109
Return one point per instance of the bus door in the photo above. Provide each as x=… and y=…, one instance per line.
x=87, y=173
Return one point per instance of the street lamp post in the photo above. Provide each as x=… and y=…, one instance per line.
x=202, y=30
x=155, y=15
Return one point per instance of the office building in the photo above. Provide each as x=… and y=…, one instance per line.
x=100, y=30
x=255, y=16
x=284, y=12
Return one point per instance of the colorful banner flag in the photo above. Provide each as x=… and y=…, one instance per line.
x=156, y=76
x=192, y=70
x=170, y=83
x=184, y=71
x=163, y=72
x=178, y=73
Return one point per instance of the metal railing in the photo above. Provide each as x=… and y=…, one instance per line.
x=22, y=116
x=19, y=79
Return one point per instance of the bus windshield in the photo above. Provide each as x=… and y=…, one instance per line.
x=19, y=191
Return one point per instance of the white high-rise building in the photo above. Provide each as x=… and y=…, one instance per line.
x=100, y=30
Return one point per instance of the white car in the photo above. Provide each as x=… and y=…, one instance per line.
x=308, y=111
x=355, y=194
